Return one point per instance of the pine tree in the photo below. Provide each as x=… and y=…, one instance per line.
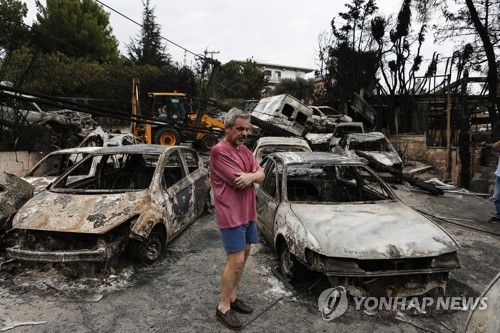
x=77, y=28
x=148, y=48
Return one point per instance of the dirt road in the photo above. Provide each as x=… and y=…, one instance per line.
x=180, y=293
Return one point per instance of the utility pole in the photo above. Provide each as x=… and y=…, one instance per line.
x=211, y=53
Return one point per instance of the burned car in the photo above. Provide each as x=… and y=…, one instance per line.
x=272, y=144
x=55, y=164
x=375, y=145
x=98, y=210
x=334, y=215
x=325, y=118
x=101, y=138
x=342, y=129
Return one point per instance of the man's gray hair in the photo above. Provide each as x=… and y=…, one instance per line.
x=234, y=113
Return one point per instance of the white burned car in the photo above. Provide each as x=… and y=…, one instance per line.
x=272, y=144
x=139, y=205
x=373, y=144
x=55, y=164
x=334, y=215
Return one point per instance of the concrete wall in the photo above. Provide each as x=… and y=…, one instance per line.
x=18, y=162
x=414, y=147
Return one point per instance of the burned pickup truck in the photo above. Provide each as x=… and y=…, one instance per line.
x=100, y=209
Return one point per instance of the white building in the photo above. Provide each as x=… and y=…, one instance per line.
x=275, y=73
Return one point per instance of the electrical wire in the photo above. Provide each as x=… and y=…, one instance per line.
x=140, y=25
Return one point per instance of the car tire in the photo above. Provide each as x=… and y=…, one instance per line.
x=291, y=269
x=150, y=249
x=167, y=136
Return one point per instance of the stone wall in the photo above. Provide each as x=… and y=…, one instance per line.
x=18, y=162
x=413, y=147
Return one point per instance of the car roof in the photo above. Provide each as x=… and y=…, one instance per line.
x=315, y=157
x=350, y=123
x=75, y=150
x=280, y=140
x=138, y=149
x=369, y=136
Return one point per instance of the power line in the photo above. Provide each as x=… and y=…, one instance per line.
x=83, y=52
x=140, y=25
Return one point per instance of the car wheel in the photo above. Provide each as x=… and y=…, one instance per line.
x=291, y=269
x=149, y=250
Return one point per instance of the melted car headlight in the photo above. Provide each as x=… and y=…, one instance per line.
x=448, y=260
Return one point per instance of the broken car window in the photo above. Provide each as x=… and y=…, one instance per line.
x=173, y=171
x=191, y=160
x=318, y=183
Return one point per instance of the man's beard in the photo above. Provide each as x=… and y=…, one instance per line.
x=241, y=140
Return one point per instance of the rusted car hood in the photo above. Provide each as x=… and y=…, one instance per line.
x=85, y=213
x=372, y=231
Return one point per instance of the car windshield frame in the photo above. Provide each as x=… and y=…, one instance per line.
x=316, y=188
x=93, y=174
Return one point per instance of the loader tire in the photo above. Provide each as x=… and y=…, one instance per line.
x=167, y=136
x=208, y=141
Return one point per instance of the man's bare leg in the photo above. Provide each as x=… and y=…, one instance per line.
x=232, y=270
x=240, y=273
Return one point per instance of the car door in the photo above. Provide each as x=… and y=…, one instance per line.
x=177, y=191
x=268, y=198
x=199, y=178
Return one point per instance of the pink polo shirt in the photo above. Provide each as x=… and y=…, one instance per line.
x=233, y=207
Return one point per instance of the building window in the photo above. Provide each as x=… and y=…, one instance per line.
x=267, y=75
x=277, y=75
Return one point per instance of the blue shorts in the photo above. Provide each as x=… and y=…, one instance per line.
x=235, y=239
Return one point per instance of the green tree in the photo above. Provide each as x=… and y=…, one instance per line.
x=148, y=47
x=240, y=80
x=77, y=28
x=13, y=32
x=299, y=88
x=347, y=53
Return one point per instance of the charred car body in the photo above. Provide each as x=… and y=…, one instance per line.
x=273, y=144
x=374, y=144
x=334, y=215
x=100, y=138
x=54, y=165
x=98, y=209
x=342, y=129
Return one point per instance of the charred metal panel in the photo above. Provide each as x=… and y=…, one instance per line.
x=14, y=192
x=96, y=214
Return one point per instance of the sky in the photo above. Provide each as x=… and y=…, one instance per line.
x=281, y=32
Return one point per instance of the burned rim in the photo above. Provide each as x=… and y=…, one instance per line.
x=287, y=261
x=150, y=249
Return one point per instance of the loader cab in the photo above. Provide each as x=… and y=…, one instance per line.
x=173, y=106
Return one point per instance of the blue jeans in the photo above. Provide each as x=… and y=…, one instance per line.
x=496, y=197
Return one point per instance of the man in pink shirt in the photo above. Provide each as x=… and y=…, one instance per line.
x=233, y=172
